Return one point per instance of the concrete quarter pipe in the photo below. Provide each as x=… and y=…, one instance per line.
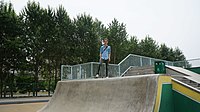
x=122, y=94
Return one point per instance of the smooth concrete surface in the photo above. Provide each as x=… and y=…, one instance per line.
x=4, y=101
x=186, y=73
x=122, y=94
x=24, y=107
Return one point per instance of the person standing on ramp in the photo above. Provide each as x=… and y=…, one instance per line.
x=105, y=53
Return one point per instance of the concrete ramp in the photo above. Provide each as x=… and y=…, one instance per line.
x=122, y=94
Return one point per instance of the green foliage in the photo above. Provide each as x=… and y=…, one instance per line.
x=24, y=84
x=86, y=38
x=117, y=36
x=39, y=40
x=133, y=45
x=178, y=55
x=11, y=47
x=148, y=47
x=63, y=30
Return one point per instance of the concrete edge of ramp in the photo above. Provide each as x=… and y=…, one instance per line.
x=175, y=96
x=127, y=94
x=162, y=80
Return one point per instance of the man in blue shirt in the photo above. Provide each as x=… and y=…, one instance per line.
x=105, y=53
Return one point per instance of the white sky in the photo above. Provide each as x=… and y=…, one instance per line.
x=173, y=22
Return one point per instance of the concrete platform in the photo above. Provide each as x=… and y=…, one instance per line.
x=122, y=94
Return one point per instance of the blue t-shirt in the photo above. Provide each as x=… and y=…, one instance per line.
x=104, y=54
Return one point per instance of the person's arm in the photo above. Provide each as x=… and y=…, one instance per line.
x=109, y=55
x=100, y=55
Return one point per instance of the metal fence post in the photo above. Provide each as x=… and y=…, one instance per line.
x=140, y=61
x=185, y=64
x=91, y=69
x=80, y=71
x=61, y=73
x=150, y=61
x=71, y=73
x=119, y=70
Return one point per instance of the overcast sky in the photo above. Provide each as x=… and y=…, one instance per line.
x=173, y=22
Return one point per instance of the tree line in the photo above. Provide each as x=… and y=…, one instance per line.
x=37, y=41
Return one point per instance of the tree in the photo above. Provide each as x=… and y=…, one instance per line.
x=132, y=45
x=48, y=34
x=32, y=18
x=63, y=43
x=39, y=40
x=11, y=46
x=178, y=55
x=117, y=37
x=164, y=52
x=148, y=47
x=86, y=39
x=170, y=54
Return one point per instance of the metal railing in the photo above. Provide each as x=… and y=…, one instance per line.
x=188, y=63
x=89, y=70
x=137, y=60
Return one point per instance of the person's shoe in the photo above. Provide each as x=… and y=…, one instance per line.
x=97, y=76
x=107, y=77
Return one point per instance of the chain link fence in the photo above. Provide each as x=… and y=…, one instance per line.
x=138, y=61
x=89, y=70
x=188, y=63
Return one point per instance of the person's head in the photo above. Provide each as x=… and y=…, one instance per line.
x=105, y=40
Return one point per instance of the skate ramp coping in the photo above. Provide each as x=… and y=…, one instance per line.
x=122, y=94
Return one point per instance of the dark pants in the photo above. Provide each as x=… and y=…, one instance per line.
x=103, y=61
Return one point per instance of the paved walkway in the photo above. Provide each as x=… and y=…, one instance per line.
x=4, y=101
x=24, y=107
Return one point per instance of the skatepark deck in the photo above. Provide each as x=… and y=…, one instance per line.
x=121, y=94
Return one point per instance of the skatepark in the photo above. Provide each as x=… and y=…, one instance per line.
x=99, y=56
x=177, y=90
x=150, y=87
